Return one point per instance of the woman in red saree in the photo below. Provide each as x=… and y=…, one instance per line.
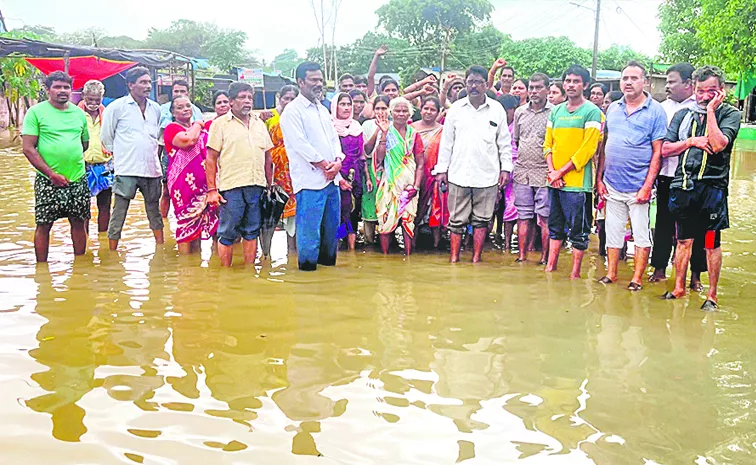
x=432, y=201
x=187, y=184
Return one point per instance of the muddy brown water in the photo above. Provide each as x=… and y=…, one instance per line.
x=143, y=356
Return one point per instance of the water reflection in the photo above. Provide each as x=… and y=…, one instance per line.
x=147, y=356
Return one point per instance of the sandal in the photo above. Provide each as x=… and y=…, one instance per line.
x=709, y=306
x=634, y=286
x=668, y=296
x=656, y=279
x=519, y=260
x=606, y=280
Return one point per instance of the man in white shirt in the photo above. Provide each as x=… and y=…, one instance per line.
x=130, y=131
x=680, y=95
x=315, y=159
x=475, y=159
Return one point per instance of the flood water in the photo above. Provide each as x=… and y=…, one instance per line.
x=142, y=356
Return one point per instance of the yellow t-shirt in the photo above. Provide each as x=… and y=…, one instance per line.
x=94, y=154
x=242, y=151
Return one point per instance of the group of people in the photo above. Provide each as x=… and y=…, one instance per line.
x=487, y=148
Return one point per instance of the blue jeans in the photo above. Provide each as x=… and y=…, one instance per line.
x=318, y=216
x=568, y=217
x=241, y=215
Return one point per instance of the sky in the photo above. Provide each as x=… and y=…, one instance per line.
x=274, y=26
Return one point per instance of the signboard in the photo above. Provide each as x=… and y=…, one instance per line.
x=252, y=76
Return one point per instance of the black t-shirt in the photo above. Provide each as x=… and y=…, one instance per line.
x=695, y=165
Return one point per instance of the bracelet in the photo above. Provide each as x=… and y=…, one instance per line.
x=211, y=190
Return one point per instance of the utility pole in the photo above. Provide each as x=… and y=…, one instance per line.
x=595, y=33
x=596, y=39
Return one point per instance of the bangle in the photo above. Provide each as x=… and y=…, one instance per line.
x=211, y=190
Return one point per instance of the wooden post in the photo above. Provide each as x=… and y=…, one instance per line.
x=66, y=56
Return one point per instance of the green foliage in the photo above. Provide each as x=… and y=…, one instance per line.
x=726, y=29
x=286, y=62
x=203, y=95
x=19, y=81
x=424, y=21
x=616, y=57
x=37, y=32
x=478, y=47
x=717, y=32
x=677, y=24
x=224, y=48
x=550, y=55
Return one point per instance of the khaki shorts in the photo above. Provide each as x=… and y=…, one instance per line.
x=471, y=205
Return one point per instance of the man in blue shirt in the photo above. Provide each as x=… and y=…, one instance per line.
x=628, y=165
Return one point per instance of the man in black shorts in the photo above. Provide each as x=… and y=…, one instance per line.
x=703, y=137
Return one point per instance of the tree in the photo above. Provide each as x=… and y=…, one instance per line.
x=617, y=56
x=37, y=32
x=286, y=62
x=550, y=55
x=19, y=81
x=90, y=36
x=223, y=47
x=726, y=31
x=431, y=24
x=679, y=33
x=478, y=47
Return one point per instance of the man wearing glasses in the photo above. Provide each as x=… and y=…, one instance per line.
x=475, y=159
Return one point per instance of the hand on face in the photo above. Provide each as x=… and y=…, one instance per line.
x=717, y=100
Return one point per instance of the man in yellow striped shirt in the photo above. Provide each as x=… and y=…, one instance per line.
x=572, y=136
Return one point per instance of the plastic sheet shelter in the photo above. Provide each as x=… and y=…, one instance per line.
x=84, y=63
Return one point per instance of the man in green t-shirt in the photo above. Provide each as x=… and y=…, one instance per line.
x=55, y=136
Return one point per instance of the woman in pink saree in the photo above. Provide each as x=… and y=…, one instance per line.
x=185, y=143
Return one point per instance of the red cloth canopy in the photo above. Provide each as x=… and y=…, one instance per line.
x=82, y=69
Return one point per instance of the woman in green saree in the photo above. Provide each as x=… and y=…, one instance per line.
x=399, y=150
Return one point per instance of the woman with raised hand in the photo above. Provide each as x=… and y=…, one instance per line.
x=401, y=153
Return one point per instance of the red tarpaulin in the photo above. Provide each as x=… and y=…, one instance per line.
x=82, y=69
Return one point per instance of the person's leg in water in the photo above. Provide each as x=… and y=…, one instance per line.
x=103, y=209
x=151, y=191
x=309, y=217
x=42, y=242
x=698, y=262
x=79, y=234
x=682, y=259
x=523, y=230
x=556, y=224
x=408, y=241
x=579, y=228
x=330, y=226
x=483, y=204
x=543, y=223
x=460, y=210
x=714, y=263
x=664, y=231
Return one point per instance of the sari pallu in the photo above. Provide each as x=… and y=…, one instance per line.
x=187, y=186
x=399, y=172
x=281, y=174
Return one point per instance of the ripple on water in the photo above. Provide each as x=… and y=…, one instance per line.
x=145, y=356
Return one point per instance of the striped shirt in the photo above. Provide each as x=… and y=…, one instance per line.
x=628, y=145
x=574, y=136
